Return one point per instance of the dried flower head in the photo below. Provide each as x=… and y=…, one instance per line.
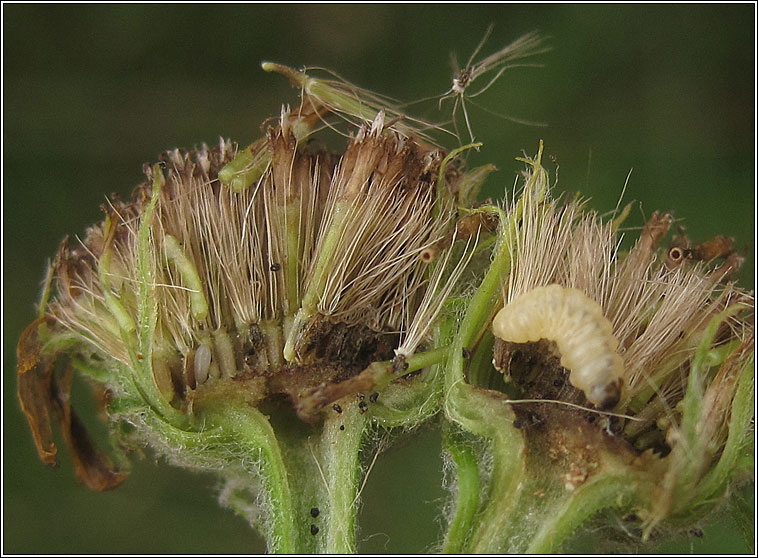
x=238, y=282
x=586, y=326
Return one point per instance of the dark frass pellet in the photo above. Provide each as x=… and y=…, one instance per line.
x=373, y=397
x=314, y=512
x=275, y=267
x=363, y=406
x=337, y=408
x=342, y=427
x=314, y=529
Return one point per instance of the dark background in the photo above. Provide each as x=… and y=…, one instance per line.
x=92, y=92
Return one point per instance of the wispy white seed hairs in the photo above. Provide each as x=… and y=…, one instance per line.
x=383, y=211
x=526, y=46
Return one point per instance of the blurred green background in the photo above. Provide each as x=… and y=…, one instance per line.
x=92, y=92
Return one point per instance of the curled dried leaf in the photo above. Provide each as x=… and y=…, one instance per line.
x=39, y=394
x=33, y=389
x=93, y=467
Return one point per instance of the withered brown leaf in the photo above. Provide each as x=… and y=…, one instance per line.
x=34, y=380
x=39, y=393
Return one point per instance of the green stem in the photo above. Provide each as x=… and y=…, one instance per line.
x=250, y=431
x=504, y=488
x=297, y=470
x=460, y=402
x=467, y=489
x=490, y=418
x=340, y=451
x=480, y=412
x=561, y=520
x=415, y=362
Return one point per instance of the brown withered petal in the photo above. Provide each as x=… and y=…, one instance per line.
x=93, y=468
x=716, y=247
x=729, y=268
x=34, y=391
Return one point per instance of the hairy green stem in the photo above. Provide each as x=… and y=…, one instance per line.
x=340, y=446
x=479, y=412
x=309, y=476
x=467, y=489
x=251, y=432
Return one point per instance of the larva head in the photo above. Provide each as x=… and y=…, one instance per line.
x=604, y=395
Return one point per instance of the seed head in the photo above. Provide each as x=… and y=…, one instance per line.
x=667, y=335
x=273, y=270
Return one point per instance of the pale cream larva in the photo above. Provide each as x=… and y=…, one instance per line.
x=582, y=334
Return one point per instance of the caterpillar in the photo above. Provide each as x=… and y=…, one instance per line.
x=582, y=334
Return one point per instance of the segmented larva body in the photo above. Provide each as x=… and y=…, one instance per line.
x=582, y=334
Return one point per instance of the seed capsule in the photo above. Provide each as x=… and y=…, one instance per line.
x=202, y=363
